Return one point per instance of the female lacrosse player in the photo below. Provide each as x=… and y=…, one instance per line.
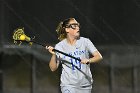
x=76, y=76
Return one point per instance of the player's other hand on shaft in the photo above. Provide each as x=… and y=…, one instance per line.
x=50, y=49
x=84, y=61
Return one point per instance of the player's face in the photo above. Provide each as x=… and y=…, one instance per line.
x=73, y=28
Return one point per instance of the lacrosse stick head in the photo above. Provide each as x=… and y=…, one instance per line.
x=19, y=36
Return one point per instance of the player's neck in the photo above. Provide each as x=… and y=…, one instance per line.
x=71, y=41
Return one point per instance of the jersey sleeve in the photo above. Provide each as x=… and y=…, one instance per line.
x=57, y=47
x=58, y=55
x=90, y=46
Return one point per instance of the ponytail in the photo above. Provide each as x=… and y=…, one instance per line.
x=61, y=31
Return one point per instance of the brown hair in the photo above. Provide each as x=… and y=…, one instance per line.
x=61, y=28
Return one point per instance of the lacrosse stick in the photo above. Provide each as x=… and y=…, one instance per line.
x=19, y=37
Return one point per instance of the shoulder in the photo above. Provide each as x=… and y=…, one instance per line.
x=83, y=39
x=61, y=43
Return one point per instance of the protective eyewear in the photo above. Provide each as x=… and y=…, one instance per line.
x=73, y=25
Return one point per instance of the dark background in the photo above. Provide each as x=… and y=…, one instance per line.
x=103, y=21
x=112, y=25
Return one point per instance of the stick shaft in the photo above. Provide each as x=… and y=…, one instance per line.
x=55, y=50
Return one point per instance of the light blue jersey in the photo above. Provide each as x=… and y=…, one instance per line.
x=75, y=74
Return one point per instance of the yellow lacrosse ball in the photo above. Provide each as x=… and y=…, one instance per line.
x=22, y=37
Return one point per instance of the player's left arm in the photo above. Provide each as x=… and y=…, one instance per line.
x=96, y=57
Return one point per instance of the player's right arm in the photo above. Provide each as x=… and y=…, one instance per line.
x=53, y=64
